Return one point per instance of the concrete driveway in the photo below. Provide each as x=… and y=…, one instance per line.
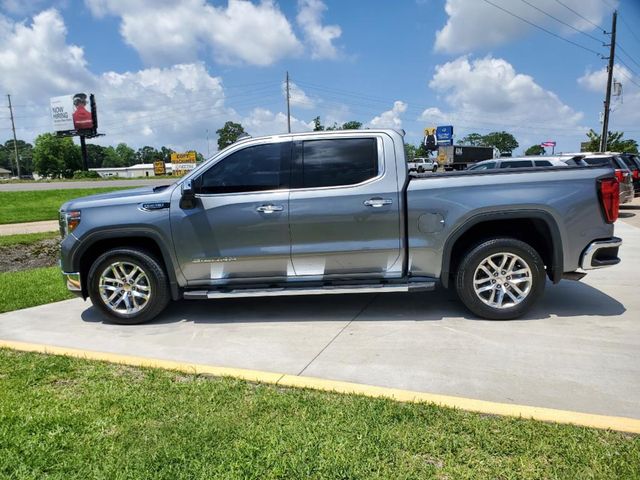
x=579, y=349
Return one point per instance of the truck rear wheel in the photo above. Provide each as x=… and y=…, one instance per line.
x=500, y=279
x=128, y=285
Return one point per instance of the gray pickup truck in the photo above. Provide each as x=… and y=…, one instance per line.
x=336, y=212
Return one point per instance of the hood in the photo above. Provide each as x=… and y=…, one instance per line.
x=119, y=197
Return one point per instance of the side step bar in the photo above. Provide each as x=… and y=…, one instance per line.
x=330, y=289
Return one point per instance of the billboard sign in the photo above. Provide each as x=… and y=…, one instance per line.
x=159, y=168
x=444, y=134
x=182, y=163
x=74, y=114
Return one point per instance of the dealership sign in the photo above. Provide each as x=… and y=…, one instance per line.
x=444, y=135
x=182, y=163
x=74, y=114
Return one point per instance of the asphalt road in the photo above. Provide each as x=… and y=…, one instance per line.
x=24, y=186
x=576, y=350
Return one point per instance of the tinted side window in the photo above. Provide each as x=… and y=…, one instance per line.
x=345, y=161
x=512, y=164
x=252, y=169
x=542, y=163
x=600, y=162
x=484, y=166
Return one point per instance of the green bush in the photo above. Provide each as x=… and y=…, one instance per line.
x=79, y=174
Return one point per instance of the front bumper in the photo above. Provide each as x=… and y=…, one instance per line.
x=600, y=254
x=72, y=280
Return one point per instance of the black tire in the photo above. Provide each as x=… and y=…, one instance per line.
x=421, y=170
x=158, y=284
x=435, y=169
x=464, y=278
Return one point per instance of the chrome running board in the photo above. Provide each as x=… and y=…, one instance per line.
x=294, y=290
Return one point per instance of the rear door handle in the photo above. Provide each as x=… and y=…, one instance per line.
x=377, y=202
x=270, y=208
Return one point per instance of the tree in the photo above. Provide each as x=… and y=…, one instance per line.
x=473, y=139
x=229, y=134
x=111, y=158
x=126, y=155
x=147, y=154
x=317, y=126
x=503, y=141
x=410, y=151
x=55, y=156
x=614, y=143
x=95, y=155
x=25, y=153
x=535, y=150
x=352, y=125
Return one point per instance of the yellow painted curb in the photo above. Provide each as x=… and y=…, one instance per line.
x=622, y=424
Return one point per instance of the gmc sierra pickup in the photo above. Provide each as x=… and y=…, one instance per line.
x=336, y=212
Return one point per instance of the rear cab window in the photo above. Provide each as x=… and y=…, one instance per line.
x=542, y=163
x=335, y=162
x=516, y=164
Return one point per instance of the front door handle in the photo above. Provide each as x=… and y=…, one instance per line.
x=377, y=202
x=270, y=208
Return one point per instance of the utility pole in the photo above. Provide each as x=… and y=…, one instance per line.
x=288, y=106
x=15, y=140
x=208, y=154
x=607, y=99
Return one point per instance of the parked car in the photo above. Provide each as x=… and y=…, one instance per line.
x=518, y=162
x=633, y=162
x=422, y=165
x=613, y=160
x=335, y=212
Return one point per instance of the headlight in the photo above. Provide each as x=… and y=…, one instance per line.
x=69, y=221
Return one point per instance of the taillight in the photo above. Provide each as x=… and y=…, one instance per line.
x=636, y=174
x=620, y=174
x=610, y=198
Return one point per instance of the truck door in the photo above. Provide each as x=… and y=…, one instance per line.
x=344, y=208
x=239, y=228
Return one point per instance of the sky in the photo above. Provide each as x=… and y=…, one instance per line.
x=170, y=72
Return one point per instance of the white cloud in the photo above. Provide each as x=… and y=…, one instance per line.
x=298, y=97
x=262, y=121
x=171, y=106
x=489, y=89
x=320, y=37
x=35, y=59
x=164, y=32
x=390, y=118
x=474, y=24
x=625, y=110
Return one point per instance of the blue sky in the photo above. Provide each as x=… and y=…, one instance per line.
x=165, y=72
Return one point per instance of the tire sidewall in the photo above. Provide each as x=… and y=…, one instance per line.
x=466, y=271
x=152, y=269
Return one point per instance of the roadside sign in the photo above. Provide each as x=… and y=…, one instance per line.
x=444, y=134
x=159, y=168
x=183, y=162
x=548, y=143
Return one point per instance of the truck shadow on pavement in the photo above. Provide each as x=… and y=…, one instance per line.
x=568, y=299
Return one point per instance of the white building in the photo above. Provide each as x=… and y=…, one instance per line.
x=140, y=170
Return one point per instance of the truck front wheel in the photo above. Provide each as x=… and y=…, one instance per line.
x=500, y=279
x=128, y=285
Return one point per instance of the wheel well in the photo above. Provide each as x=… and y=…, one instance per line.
x=534, y=231
x=98, y=248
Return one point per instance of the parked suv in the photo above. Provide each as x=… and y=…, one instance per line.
x=622, y=171
x=422, y=165
x=518, y=162
x=633, y=162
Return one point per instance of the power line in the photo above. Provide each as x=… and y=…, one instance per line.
x=581, y=16
x=562, y=22
x=622, y=72
x=542, y=28
x=628, y=27
x=627, y=54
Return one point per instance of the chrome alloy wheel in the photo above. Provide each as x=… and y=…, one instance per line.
x=124, y=288
x=502, y=280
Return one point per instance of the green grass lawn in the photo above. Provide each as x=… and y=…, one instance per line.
x=36, y=205
x=67, y=418
x=29, y=288
x=26, y=238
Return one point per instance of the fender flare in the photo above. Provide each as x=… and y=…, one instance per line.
x=556, y=238
x=121, y=233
